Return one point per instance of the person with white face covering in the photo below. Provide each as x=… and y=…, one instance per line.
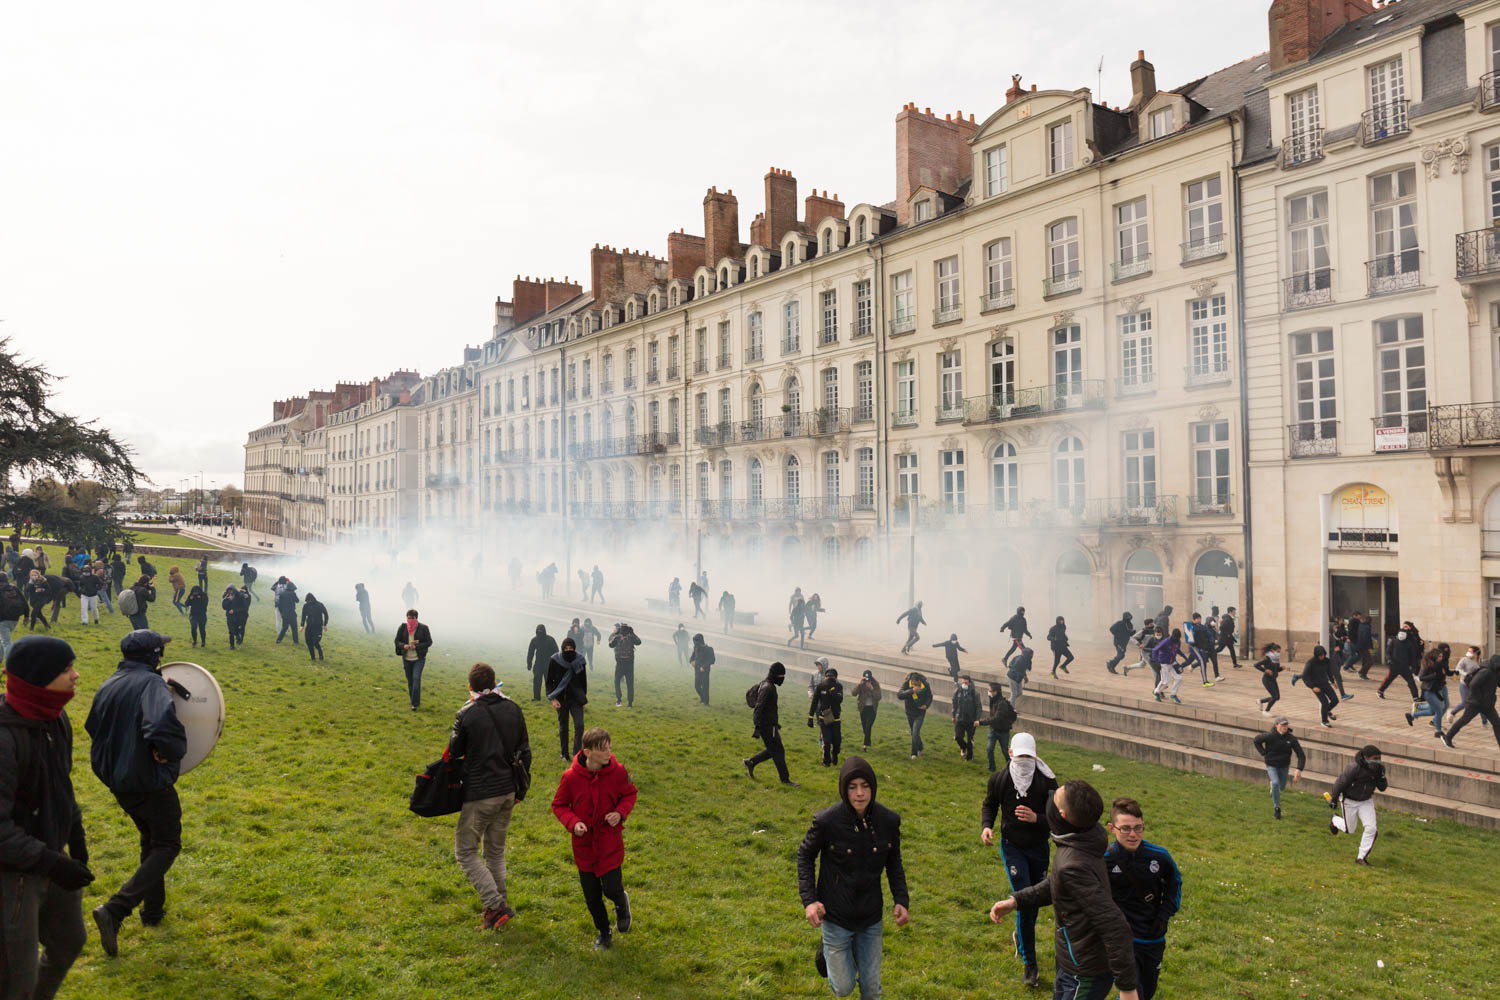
x=1018, y=797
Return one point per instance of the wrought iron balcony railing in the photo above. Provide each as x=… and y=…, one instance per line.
x=1384, y=121
x=1313, y=438
x=1059, y=283
x=1308, y=289
x=1394, y=272
x=1038, y=401
x=1302, y=147
x=1477, y=253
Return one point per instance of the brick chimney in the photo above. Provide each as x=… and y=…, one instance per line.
x=781, y=208
x=1142, y=81
x=505, y=315
x=930, y=152
x=819, y=206
x=530, y=298
x=607, y=270
x=559, y=292
x=1298, y=27
x=642, y=271
x=685, y=254
x=1015, y=91
x=721, y=224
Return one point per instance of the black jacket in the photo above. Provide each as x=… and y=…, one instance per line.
x=827, y=695
x=133, y=713
x=38, y=814
x=487, y=732
x=915, y=702
x=913, y=616
x=287, y=601
x=1360, y=781
x=38, y=593
x=766, y=715
x=1434, y=677
x=542, y=649
x=1002, y=714
x=1406, y=653
x=197, y=605
x=1482, y=684
x=1315, y=673
x=422, y=637
x=1057, y=638
x=564, y=683
x=315, y=616
x=624, y=643
x=89, y=585
x=1277, y=749
x=1147, y=888
x=13, y=605
x=702, y=657
x=145, y=593
x=951, y=649
x=1016, y=626
x=1226, y=628
x=966, y=705
x=1093, y=937
x=841, y=860
x=1000, y=801
x=1121, y=631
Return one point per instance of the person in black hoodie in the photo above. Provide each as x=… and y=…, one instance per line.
x=88, y=586
x=1002, y=716
x=1481, y=700
x=1094, y=950
x=314, y=622
x=840, y=862
x=1226, y=637
x=41, y=887
x=915, y=696
x=701, y=659
x=1269, y=666
x=1317, y=679
x=543, y=647
x=826, y=710
x=38, y=593
x=767, y=720
x=914, y=620
x=951, y=649
x=248, y=574
x=1119, y=633
x=196, y=604
x=1406, y=654
x=1057, y=638
x=1276, y=748
x=286, y=606
x=1016, y=626
x=230, y=602
x=965, y=716
x=1018, y=797
x=362, y=598
x=567, y=689
x=1355, y=791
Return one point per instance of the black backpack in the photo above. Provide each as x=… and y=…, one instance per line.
x=752, y=696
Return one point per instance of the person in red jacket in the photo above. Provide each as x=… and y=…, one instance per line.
x=593, y=798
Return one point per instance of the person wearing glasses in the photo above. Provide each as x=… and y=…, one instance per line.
x=1147, y=887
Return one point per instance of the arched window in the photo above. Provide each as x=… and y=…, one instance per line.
x=700, y=286
x=793, y=489
x=757, y=487
x=864, y=552
x=723, y=277
x=831, y=554
x=1068, y=472
x=674, y=296
x=1005, y=477
x=793, y=408
x=860, y=230
x=827, y=249
x=755, y=266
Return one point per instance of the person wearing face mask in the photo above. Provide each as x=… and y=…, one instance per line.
x=1146, y=886
x=763, y=701
x=413, y=640
x=701, y=659
x=1276, y=748
x=1481, y=701
x=1434, y=679
x=1002, y=716
x=41, y=888
x=1269, y=666
x=623, y=641
x=915, y=695
x=1355, y=791
x=137, y=751
x=1406, y=654
x=951, y=649
x=1094, y=948
x=1017, y=796
x=965, y=716
x=543, y=647
x=567, y=690
x=826, y=710
x=1316, y=677
x=867, y=696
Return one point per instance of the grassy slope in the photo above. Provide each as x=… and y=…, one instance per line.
x=145, y=536
x=304, y=875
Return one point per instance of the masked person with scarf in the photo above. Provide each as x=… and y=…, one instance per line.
x=41, y=888
x=763, y=701
x=965, y=716
x=915, y=696
x=826, y=710
x=1018, y=797
x=413, y=640
x=543, y=647
x=867, y=696
x=138, y=746
x=623, y=641
x=314, y=622
x=840, y=862
x=1093, y=945
x=1355, y=791
x=1269, y=666
x=567, y=689
x=196, y=605
x=701, y=659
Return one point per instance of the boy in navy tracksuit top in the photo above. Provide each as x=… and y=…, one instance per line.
x=1147, y=888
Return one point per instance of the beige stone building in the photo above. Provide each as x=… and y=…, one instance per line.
x=371, y=447
x=446, y=405
x=1371, y=194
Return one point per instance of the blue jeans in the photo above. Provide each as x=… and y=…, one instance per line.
x=104, y=596
x=915, y=721
x=1279, y=778
x=1436, y=706
x=1024, y=866
x=1068, y=986
x=1119, y=655
x=414, y=679
x=851, y=956
x=1002, y=740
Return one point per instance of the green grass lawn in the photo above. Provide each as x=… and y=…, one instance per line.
x=145, y=536
x=304, y=875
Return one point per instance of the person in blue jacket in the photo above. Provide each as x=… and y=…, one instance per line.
x=1147, y=887
x=137, y=752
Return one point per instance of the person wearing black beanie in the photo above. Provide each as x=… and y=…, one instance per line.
x=763, y=701
x=41, y=918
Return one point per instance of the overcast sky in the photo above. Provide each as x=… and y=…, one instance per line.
x=210, y=206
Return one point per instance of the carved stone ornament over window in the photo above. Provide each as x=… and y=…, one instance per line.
x=1203, y=287
x=1454, y=147
x=1063, y=318
x=1131, y=303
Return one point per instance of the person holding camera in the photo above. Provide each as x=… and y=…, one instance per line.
x=623, y=641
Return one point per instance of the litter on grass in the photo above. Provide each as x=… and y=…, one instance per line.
x=1098, y=767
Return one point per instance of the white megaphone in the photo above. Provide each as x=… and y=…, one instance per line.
x=200, y=709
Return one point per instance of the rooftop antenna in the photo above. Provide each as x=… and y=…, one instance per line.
x=1099, y=82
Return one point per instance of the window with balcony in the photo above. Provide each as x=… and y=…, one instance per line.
x=950, y=385
x=1208, y=340
x=1137, y=353
x=792, y=477
x=1311, y=279
x=700, y=350
x=863, y=310
x=1304, y=141
x=1204, y=205
x=907, y=488
x=1062, y=257
x=1002, y=372
x=1140, y=468
x=830, y=389
x=724, y=406
x=996, y=171
x=674, y=406
x=757, y=409
x=954, y=491
x=672, y=357
x=726, y=480
x=1393, y=225
x=1386, y=116
x=1068, y=472
x=906, y=393
x=903, y=304
x=1060, y=147
x=948, y=298
x=864, y=390
x=1210, y=467
x=828, y=309
x=1132, y=239
x=999, y=275
x=1067, y=361
x=724, y=344
x=653, y=362
x=1005, y=477
x=791, y=326
x=864, y=459
x=756, y=488
x=755, y=348
x=653, y=419
x=1401, y=368
x=830, y=476
x=700, y=410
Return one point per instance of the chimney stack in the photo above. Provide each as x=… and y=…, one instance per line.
x=685, y=254
x=1142, y=81
x=721, y=224
x=1015, y=91
x=530, y=298
x=1298, y=27
x=930, y=152
x=819, y=206
x=781, y=208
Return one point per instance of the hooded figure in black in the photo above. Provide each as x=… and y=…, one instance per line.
x=362, y=598
x=314, y=621
x=827, y=711
x=623, y=641
x=767, y=719
x=42, y=888
x=196, y=604
x=567, y=689
x=543, y=647
x=286, y=606
x=231, y=605
x=701, y=659
x=848, y=849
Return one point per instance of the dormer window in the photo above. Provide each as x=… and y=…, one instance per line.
x=674, y=296
x=789, y=253
x=724, y=277
x=922, y=211
x=1161, y=123
x=755, y=266
x=860, y=229
x=996, y=171
x=827, y=241
x=700, y=287
x=630, y=310
x=1060, y=147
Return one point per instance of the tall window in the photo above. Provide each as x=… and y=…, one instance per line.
x=793, y=479
x=588, y=376
x=572, y=380
x=755, y=332
x=902, y=306
x=726, y=480
x=757, y=485
x=906, y=390
x=1005, y=477
x=1205, y=217
x=1067, y=471
x=906, y=475
x=1067, y=361
x=525, y=391
x=1161, y=123
x=1387, y=99
x=630, y=366
x=607, y=425
x=1137, y=355
x=953, y=479
x=757, y=410
x=724, y=406
x=1307, y=241
x=1132, y=237
x=1140, y=468
x=828, y=303
x=862, y=310
x=1401, y=366
x=1393, y=221
x=1060, y=147
x=1062, y=250
x=703, y=481
x=951, y=382
x=831, y=475
x=700, y=409
x=947, y=287
x=791, y=323
x=1208, y=336
x=998, y=272
x=996, y=171
x=1002, y=372
x=630, y=422
x=865, y=498
x=864, y=390
x=700, y=350
x=672, y=413
x=1304, y=126
x=653, y=357
x=830, y=388
x=653, y=418
x=724, y=344
x=1314, y=389
x=1211, y=462
x=860, y=230
x=792, y=425
x=1492, y=173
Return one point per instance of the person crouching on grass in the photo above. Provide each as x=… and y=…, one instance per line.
x=593, y=798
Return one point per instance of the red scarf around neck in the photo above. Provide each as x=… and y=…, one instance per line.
x=33, y=702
